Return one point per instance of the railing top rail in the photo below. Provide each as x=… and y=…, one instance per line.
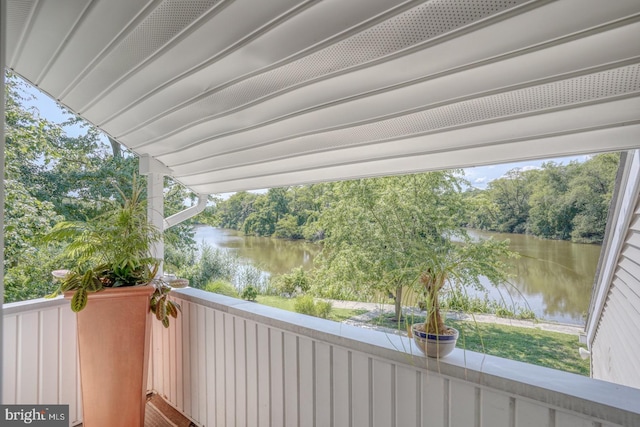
x=32, y=305
x=600, y=399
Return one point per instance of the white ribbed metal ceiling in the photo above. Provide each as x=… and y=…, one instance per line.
x=244, y=94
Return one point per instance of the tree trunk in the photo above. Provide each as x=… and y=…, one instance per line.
x=116, y=149
x=398, y=304
x=434, y=323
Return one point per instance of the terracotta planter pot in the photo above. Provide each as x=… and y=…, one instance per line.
x=434, y=345
x=114, y=332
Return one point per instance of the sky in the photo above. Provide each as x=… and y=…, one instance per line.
x=478, y=176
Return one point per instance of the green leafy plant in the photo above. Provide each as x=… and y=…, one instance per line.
x=295, y=282
x=221, y=287
x=305, y=304
x=113, y=250
x=323, y=309
x=249, y=293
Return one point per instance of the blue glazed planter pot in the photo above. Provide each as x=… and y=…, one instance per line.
x=434, y=345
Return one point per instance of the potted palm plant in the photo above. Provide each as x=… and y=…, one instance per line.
x=112, y=285
x=457, y=263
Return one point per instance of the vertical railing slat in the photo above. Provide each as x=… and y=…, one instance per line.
x=571, y=420
x=171, y=394
x=210, y=347
x=306, y=360
x=463, y=395
x=264, y=396
x=10, y=359
x=434, y=400
x=229, y=370
x=276, y=390
x=28, y=355
x=200, y=346
x=219, y=373
x=179, y=373
x=495, y=409
x=341, y=387
x=50, y=350
x=252, y=373
x=382, y=394
x=194, y=373
x=291, y=401
x=406, y=386
x=241, y=371
x=360, y=387
x=186, y=359
x=322, y=384
x=531, y=415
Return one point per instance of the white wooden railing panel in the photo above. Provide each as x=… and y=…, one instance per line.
x=226, y=362
x=40, y=355
x=247, y=364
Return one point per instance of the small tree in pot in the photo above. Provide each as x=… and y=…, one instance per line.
x=390, y=234
x=112, y=286
x=458, y=264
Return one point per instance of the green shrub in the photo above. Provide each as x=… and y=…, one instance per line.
x=250, y=275
x=526, y=314
x=221, y=287
x=460, y=301
x=295, y=282
x=323, y=309
x=305, y=304
x=504, y=312
x=249, y=293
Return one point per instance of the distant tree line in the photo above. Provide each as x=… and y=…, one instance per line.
x=288, y=213
x=556, y=201
x=566, y=202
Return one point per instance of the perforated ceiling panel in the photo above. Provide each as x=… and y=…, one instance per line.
x=325, y=90
x=408, y=29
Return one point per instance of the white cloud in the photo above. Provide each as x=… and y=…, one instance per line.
x=480, y=180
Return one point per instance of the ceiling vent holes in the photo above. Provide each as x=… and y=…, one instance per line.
x=402, y=31
x=564, y=93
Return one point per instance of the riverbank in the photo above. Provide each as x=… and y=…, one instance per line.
x=554, y=278
x=540, y=343
x=375, y=310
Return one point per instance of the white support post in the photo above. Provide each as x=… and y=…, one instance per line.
x=3, y=47
x=155, y=172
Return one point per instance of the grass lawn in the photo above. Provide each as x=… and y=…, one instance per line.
x=543, y=348
x=337, y=314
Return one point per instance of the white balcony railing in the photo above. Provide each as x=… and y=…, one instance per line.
x=227, y=362
x=40, y=357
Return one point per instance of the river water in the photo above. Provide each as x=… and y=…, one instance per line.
x=553, y=278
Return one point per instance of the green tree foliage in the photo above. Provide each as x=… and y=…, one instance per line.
x=288, y=213
x=51, y=176
x=568, y=202
x=233, y=212
x=511, y=199
x=27, y=218
x=590, y=192
x=294, y=283
x=386, y=234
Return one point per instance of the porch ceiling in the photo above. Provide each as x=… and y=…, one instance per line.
x=233, y=95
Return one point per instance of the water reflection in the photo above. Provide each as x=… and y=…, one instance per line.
x=275, y=256
x=554, y=277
